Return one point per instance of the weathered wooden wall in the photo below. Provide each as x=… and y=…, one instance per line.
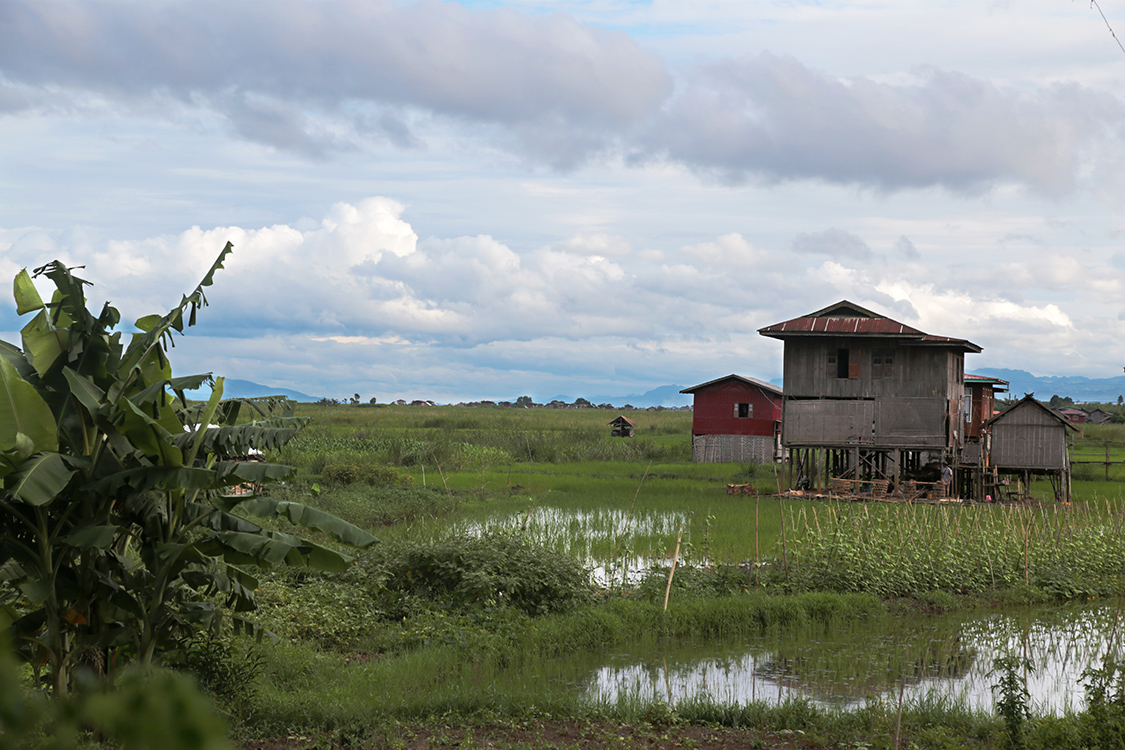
x=1025, y=437
x=885, y=423
x=917, y=372
x=914, y=403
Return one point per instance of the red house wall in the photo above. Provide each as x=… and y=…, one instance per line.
x=714, y=410
x=982, y=409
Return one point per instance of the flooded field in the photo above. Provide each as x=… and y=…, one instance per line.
x=947, y=658
x=618, y=546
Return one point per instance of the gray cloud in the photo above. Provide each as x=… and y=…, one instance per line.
x=493, y=66
x=772, y=118
x=905, y=248
x=835, y=243
x=359, y=298
x=322, y=77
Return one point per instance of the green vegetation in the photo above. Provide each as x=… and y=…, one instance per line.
x=1062, y=552
x=477, y=609
x=520, y=547
x=120, y=540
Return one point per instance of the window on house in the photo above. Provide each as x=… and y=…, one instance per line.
x=882, y=364
x=843, y=363
x=743, y=411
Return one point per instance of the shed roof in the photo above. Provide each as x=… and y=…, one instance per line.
x=623, y=419
x=741, y=378
x=849, y=319
x=1029, y=402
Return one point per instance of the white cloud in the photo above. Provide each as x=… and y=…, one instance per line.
x=357, y=302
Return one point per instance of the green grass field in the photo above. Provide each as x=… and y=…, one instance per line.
x=558, y=479
x=485, y=514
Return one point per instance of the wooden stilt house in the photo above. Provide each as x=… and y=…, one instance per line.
x=869, y=402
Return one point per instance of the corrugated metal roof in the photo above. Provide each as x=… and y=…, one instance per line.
x=749, y=381
x=842, y=319
x=842, y=325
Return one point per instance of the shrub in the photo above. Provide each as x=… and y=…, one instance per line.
x=330, y=614
x=226, y=669
x=342, y=474
x=484, y=572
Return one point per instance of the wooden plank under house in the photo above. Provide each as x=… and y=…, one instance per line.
x=622, y=427
x=735, y=419
x=1027, y=440
x=868, y=401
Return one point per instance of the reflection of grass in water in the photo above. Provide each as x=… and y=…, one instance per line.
x=836, y=665
x=943, y=658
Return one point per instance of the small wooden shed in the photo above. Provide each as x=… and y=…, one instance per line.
x=623, y=427
x=1029, y=439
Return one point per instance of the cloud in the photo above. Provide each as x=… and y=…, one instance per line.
x=771, y=118
x=266, y=65
x=330, y=78
x=832, y=242
x=905, y=248
x=357, y=302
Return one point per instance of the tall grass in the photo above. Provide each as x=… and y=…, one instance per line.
x=1065, y=551
x=500, y=445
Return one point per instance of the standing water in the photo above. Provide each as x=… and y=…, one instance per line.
x=844, y=665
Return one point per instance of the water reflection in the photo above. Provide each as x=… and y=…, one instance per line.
x=844, y=666
x=591, y=535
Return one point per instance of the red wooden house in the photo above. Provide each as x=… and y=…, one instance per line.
x=735, y=419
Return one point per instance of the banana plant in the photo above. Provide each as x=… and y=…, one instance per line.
x=118, y=527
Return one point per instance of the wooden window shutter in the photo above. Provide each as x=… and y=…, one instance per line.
x=853, y=364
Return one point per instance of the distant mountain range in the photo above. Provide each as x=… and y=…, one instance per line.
x=1079, y=388
x=665, y=395
x=247, y=389
x=1075, y=386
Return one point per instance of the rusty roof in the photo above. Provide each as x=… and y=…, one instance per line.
x=770, y=387
x=848, y=319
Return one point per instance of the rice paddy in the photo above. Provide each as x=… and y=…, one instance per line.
x=724, y=634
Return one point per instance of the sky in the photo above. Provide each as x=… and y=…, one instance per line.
x=457, y=201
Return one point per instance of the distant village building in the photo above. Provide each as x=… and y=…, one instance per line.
x=1098, y=416
x=1073, y=414
x=735, y=418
